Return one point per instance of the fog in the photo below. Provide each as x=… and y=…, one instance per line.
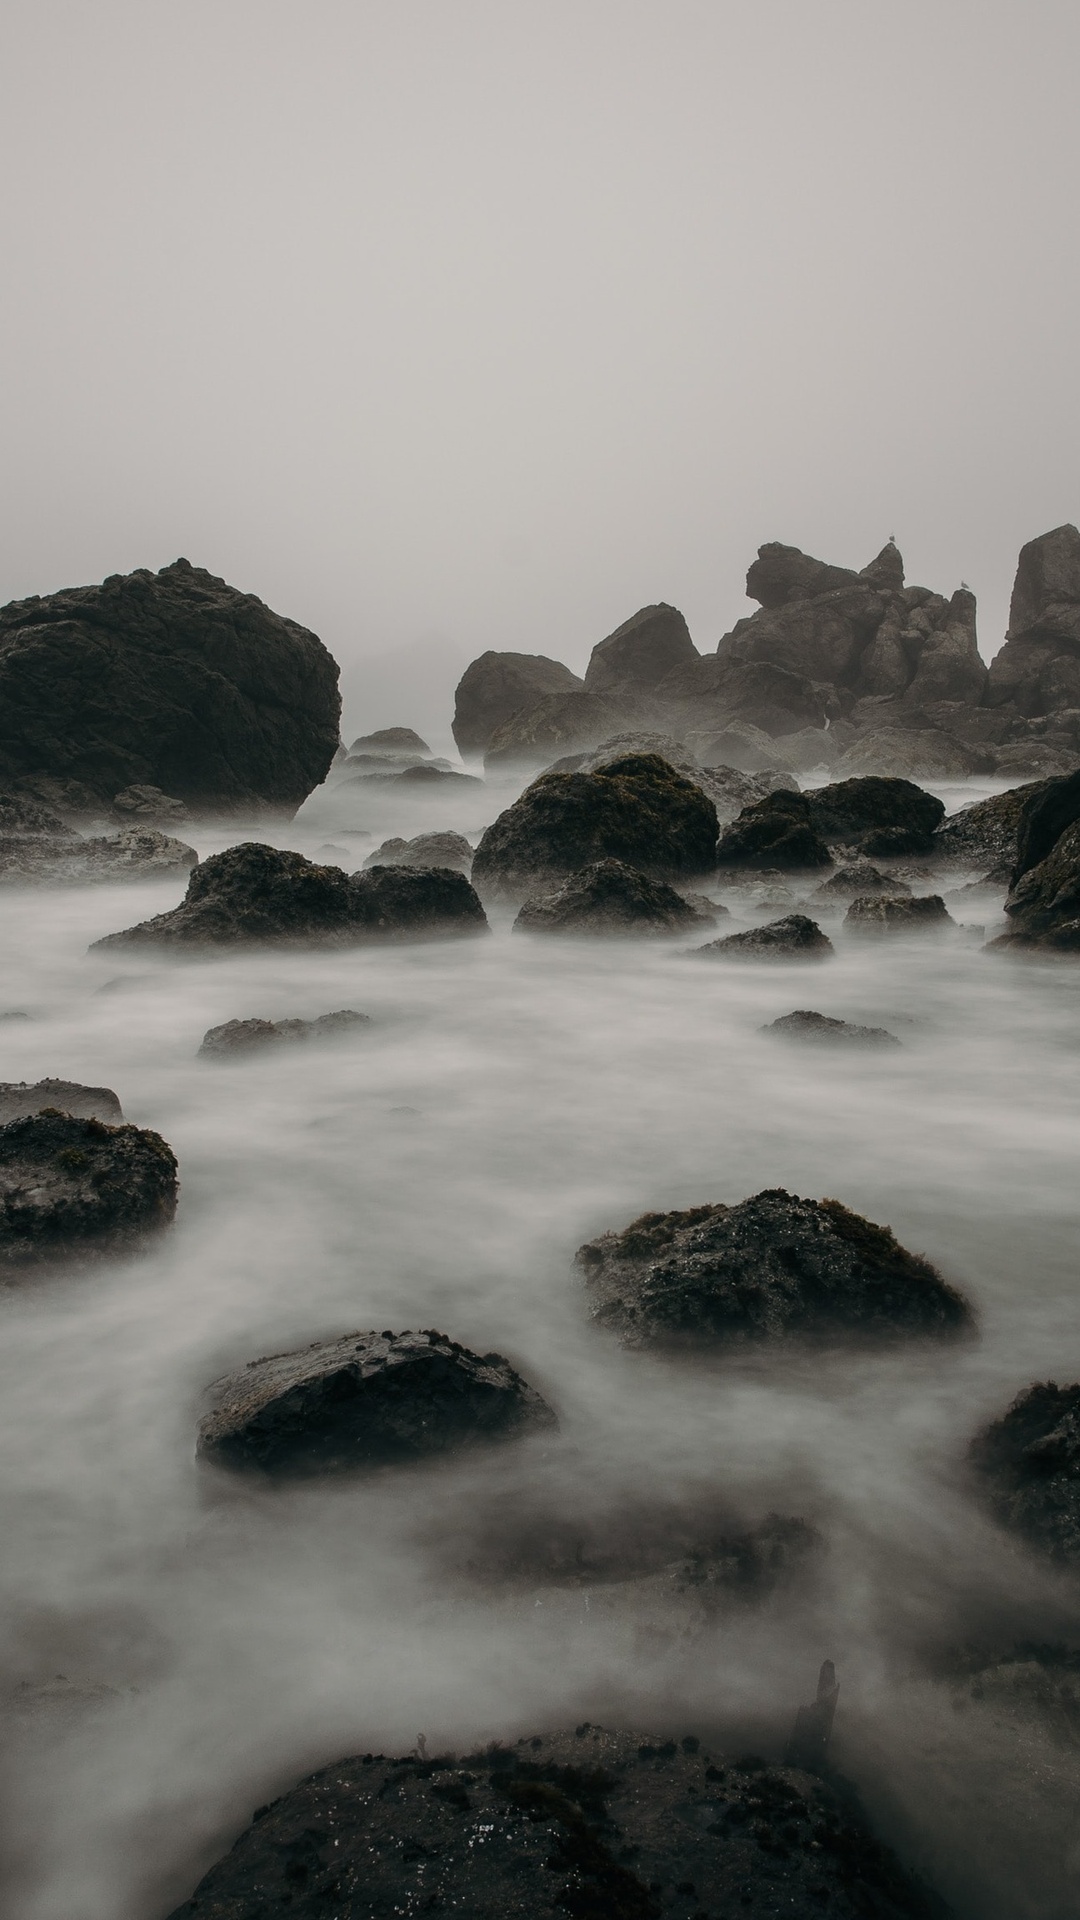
x=514, y=1097
x=453, y=327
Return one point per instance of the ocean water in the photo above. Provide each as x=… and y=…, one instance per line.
x=175, y=1648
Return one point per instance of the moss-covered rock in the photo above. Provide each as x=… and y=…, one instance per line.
x=72, y=1186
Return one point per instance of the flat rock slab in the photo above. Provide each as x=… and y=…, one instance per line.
x=250, y=1036
x=898, y=913
x=819, y=1029
x=610, y=897
x=1029, y=1461
x=796, y=937
x=771, y=1268
x=595, y=1824
x=72, y=1187
x=365, y=1400
x=20, y=1097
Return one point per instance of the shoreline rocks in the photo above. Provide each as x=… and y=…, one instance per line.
x=20, y=1097
x=74, y=1187
x=881, y=913
x=610, y=898
x=795, y=937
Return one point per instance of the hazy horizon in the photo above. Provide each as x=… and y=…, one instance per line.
x=452, y=328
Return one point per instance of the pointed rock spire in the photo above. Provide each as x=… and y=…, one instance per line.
x=886, y=569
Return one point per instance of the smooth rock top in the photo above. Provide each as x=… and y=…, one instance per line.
x=73, y=1186
x=821, y=1029
x=848, y=809
x=1029, y=1461
x=611, y=898
x=173, y=680
x=390, y=740
x=498, y=685
x=771, y=1268
x=795, y=937
x=640, y=652
x=426, y=850
x=365, y=1400
x=638, y=810
x=19, y=1097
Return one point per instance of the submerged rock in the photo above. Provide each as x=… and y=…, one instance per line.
x=858, y=881
x=611, y=898
x=638, y=810
x=776, y=833
x=257, y=893
x=365, y=1400
x=899, y=913
x=794, y=938
x=72, y=1186
x=845, y=811
x=591, y=1824
x=247, y=1036
x=426, y=850
x=20, y=1097
x=821, y=1029
x=773, y=1267
x=1029, y=1461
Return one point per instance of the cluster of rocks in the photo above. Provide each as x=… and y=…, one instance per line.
x=610, y=897
x=37, y=847
x=851, y=670
x=395, y=756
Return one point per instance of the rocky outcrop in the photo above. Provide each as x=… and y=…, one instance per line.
x=794, y=938
x=1038, y=669
x=20, y=1097
x=592, y=1824
x=254, y=893
x=611, y=898
x=774, y=1267
x=844, y=812
x=426, y=850
x=366, y=1400
x=898, y=913
x=818, y=1029
x=638, y=655
x=1029, y=1462
x=729, y=789
x=173, y=680
x=253, y=1036
x=904, y=751
x=393, y=741
x=74, y=1187
x=985, y=834
x=774, y=833
x=638, y=810
x=498, y=685
x=558, y=723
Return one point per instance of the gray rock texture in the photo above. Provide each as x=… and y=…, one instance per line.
x=772, y=1268
x=898, y=913
x=426, y=850
x=855, y=882
x=390, y=740
x=819, y=1029
x=366, y=1400
x=638, y=655
x=611, y=898
x=846, y=810
x=20, y=1097
x=253, y=1036
x=173, y=680
x=775, y=833
x=73, y=1187
x=498, y=685
x=795, y=937
x=1029, y=1463
x=1038, y=669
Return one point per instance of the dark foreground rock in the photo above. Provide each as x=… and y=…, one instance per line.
x=258, y=893
x=365, y=1400
x=819, y=1029
x=72, y=1187
x=898, y=913
x=776, y=833
x=20, y=1097
x=638, y=810
x=251, y=1036
x=846, y=811
x=612, y=898
x=169, y=679
x=593, y=1824
x=426, y=850
x=794, y=938
x=773, y=1267
x=1029, y=1461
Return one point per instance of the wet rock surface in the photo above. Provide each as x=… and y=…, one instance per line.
x=820, y=1029
x=777, y=833
x=611, y=898
x=795, y=937
x=425, y=850
x=1029, y=1462
x=1044, y=904
x=71, y=1186
x=253, y=893
x=170, y=679
x=498, y=685
x=20, y=1097
x=986, y=833
x=638, y=810
x=595, y=1824
x=366, y=1400
x=898, y=913
x=847, y=810
x=772, y=1268
x=252, y=1036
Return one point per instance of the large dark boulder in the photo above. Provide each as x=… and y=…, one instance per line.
x=776, y=833
x=771, y=1268
x=986, y=833
x=1044, y=903
x=594, y=1825
x=170, y=679
x=638, y=810
x=1053, y=806
x=611, y=898
x=74, y=1187
x=1038, y=669
x=796, y=937
x=1029, y=1462
x=257, y=893
x=638, y=655
x=366, y=1400
x=848, y=809
x=498, y=685
x=20, y=1097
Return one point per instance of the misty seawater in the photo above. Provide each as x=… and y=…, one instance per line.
x=514, y=1097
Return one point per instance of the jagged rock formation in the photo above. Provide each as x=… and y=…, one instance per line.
x=1044, y=901
x=172, y=680
x=1038, y=669
x=498, y=685
x=611, y=898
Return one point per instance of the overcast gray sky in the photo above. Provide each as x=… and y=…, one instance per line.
x=453, y=324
